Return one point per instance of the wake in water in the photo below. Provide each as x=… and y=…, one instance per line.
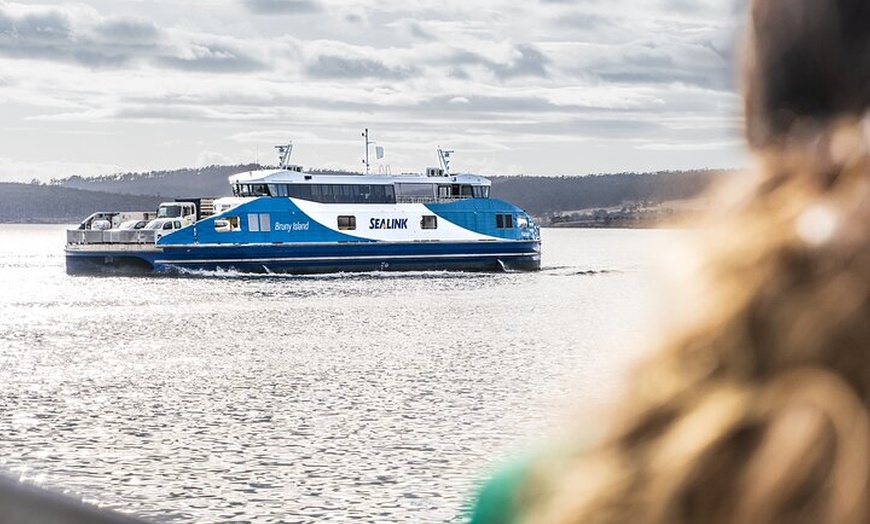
x=355, y=276
x=569, y=271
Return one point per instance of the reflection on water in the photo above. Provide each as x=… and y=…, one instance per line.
x=237, y=398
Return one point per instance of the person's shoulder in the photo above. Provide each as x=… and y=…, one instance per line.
x=498, y=500
x=520, y=486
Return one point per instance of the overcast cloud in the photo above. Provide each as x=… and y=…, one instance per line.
x=538, y=87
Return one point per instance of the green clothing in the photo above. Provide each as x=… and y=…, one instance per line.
x=497, y=502
x=524, y=485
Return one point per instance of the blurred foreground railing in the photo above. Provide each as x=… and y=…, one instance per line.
x=25, y=504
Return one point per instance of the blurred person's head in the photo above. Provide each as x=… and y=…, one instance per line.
x=755, y=408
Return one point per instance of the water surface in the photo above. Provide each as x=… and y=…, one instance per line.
x=336, y=398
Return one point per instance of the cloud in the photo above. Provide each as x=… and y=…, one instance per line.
x=130, y=31
x=17, y=170
x=416, y=30
x=212, y=58
x=282, y=7
x=542, y=71
x=34, y=34
x=530, y=62
x=337, y=67
x=524, y=61
x=584, y=21
x=78, y=36
x=84, y=37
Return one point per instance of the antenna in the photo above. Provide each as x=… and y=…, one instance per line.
x=368, y=143
x=444, y=159
x=284, y=153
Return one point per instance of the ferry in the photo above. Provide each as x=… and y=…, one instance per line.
x=288, y=220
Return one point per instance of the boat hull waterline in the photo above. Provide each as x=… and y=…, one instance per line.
x=306, y=259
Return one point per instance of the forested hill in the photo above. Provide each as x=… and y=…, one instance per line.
x=31, y=203
x=547, y=196
x=206, y=181
x=552, y=199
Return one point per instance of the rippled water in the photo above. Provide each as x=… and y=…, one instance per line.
x=371, y=398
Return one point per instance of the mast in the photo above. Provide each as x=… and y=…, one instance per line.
x=444, y=159
x=368, y=143
x=284, y=155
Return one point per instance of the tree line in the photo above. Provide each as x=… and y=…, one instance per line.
x=34, y=203
x=550, y=199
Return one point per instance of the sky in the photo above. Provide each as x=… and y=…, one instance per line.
x=535, y=87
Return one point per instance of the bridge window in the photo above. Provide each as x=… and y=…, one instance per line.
x=346, y=222
x=415, y=191
x=328, y=193
x=429, y=222
x=252, y=190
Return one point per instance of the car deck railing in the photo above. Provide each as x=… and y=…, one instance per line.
x=111, y=236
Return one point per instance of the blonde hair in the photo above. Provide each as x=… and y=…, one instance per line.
x=756, y=409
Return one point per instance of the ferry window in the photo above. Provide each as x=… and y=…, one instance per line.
x=222, y=225
x=379, y=194
x=167, y=225
x=326, y=193
x=348, y=193
x=265, y=222
x=522, y=222
x=480, y=191
x=344, y=193
x=253, y=222
x=444, y=191
x=336, y=193
x=346, y=222
x=504, y=221
x=259, y=190
x=301, y=191
x=415, y=190
x=279, y=190
x=429, y=222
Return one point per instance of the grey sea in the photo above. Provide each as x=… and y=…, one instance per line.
x=382, y=397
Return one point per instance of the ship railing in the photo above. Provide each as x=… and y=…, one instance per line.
x=427, y=199
x=111, y=236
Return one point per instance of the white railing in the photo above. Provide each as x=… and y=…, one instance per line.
x=111, y=236
x=427, y=199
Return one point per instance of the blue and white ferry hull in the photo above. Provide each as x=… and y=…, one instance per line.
x=287, y=235
x=311, y=258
